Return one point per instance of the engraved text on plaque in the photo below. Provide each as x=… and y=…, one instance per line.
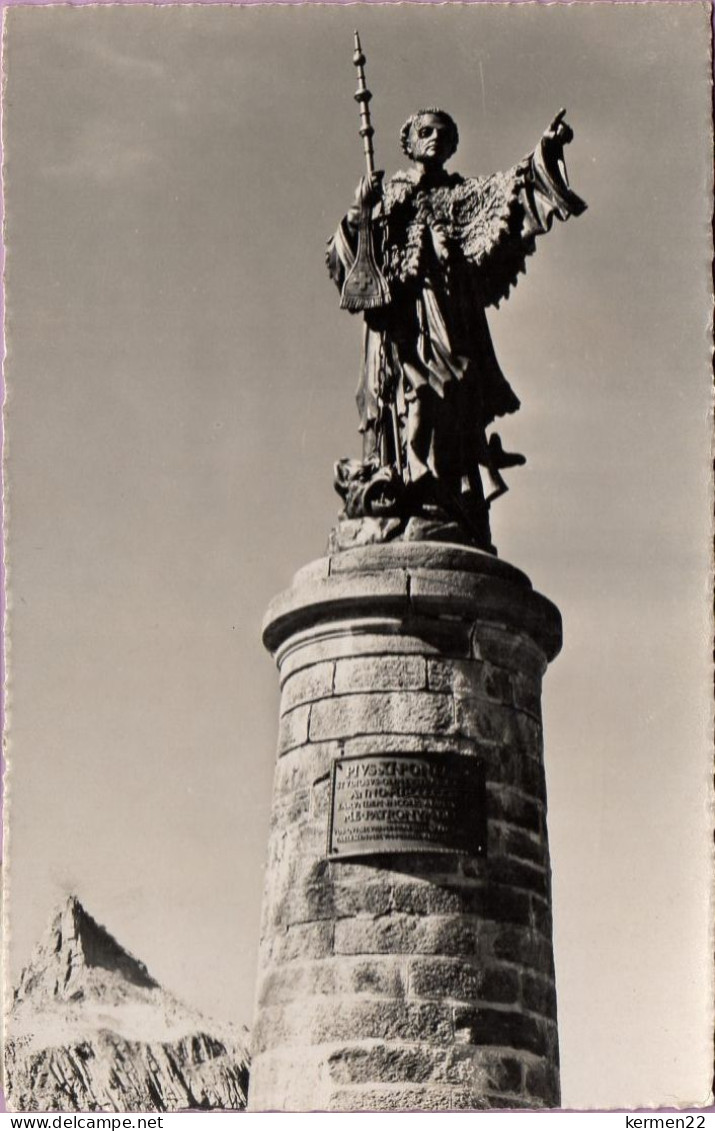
x=382, y=803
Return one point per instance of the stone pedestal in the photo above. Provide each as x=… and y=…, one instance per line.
x=411, y=980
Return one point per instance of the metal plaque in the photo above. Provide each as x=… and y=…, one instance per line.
x=387, y=803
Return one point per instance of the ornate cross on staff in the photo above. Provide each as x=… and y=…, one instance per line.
x=365, y=286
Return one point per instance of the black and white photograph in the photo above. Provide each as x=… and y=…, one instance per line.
x=358, y=712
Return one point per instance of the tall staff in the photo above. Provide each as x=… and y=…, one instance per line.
x=365, y=286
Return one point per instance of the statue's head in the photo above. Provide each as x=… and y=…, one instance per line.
x=430, y=136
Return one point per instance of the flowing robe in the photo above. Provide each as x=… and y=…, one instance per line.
x=449, y=247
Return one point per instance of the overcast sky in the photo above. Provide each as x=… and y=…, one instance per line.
x=180, y=381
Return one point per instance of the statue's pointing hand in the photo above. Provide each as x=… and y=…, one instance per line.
x=369, y=191
x=559, y=132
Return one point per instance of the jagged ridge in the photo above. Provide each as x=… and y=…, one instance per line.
x=106, y=1073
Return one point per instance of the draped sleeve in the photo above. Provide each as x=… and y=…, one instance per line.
x=340, y=251
x=516, y=207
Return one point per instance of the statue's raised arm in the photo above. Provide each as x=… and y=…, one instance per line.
x=527, y=198
x=549, y=169
x=447, y=247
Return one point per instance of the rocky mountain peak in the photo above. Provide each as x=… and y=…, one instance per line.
x=90, y=1030
x=77, y=958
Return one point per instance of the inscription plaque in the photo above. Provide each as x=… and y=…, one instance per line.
x=386, y=803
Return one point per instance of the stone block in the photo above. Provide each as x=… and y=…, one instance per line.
x=307, y=840
x=374, y=977
x=393, y=934
x=505, y=1028
x=300, y=903
x=507, y=1103
x=437, y=592
x=339, y=900
x=509, y=805
x=321, y=1020
x=504, y=904
x=524, y=774
x=469, y=1098
x=288, y=867
x=411, y=712
x=380, y=673
x=411, y=743
x=440, y=868
x=461, y=980
x=389, y=1098
x=293, y=729
x=317, y=570
x=425, y=898
x=309, y=649
x=454, y=894
x=314, y=682
x=497, y=1072
x=320, y=801
x=494, y=841
x=507, y=649
x=374, y=899
x=542, y=1083
x=471, y=678
x=377, y=636
x=496, y=684
x=449, y=935
x=539, y=994
x=279, y=985
x=461, y=677
x=527, y=693
x=503, y=768
x=269, y=1031
x=491, y=601
x=498, y=985
x=338, y=597
x=280, y=1081
x=282, y=848
x=523, y=846
x=342, y=976
x=291, y=808
x=532, y=778
x=523, y=947
x=468, y=1067
x=518, y=874
x=528, y=735
x=480, y=719
x=541, y=917
x=426, y=556
x=385, y=1064
x=303, y=766
x=424, y=1064
x=306, y=940
x=408, y=934
x=377, y=975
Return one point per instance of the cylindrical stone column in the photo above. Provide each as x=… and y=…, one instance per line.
x=411, y=980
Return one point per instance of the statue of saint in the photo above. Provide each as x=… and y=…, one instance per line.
x=447, y=247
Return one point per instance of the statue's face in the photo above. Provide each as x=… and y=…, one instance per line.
x=431, y=140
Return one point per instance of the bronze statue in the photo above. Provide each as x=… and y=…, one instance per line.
x=430, y=250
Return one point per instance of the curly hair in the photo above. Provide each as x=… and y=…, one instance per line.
x=405, y=131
